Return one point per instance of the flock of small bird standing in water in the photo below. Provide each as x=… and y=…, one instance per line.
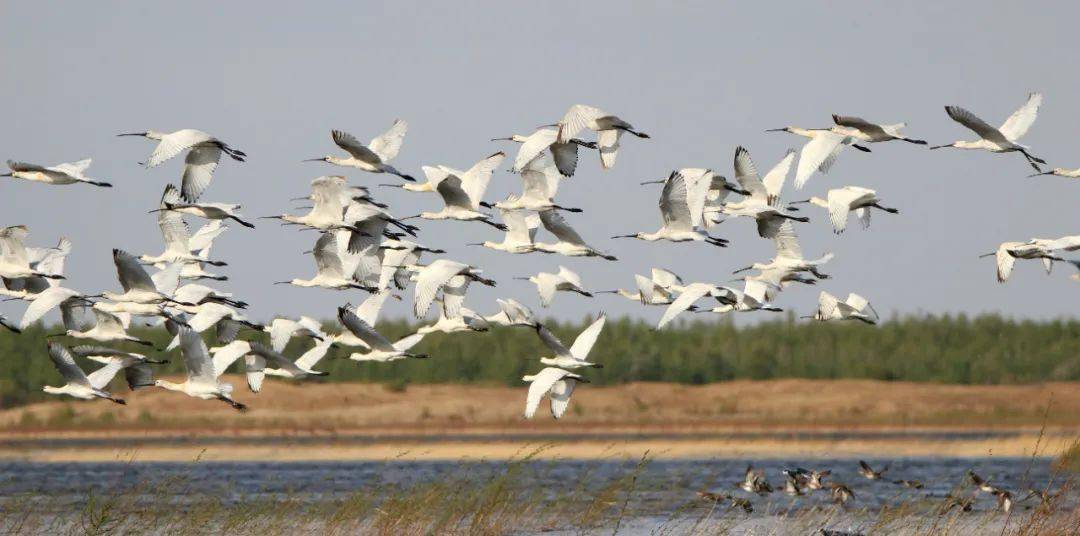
x=800, y=481
x=361, y=245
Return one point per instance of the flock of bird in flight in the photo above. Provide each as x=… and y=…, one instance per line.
x=361, y=245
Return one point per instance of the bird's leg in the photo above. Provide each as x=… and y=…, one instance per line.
x=886, y=209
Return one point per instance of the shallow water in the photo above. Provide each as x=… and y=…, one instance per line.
x=661, y=488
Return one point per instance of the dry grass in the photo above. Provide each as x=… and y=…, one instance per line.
x=361, y=406
x=676, y=420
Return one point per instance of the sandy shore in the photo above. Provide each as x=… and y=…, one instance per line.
x=773, y=419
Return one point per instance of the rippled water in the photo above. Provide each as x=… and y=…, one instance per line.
x=662, y=487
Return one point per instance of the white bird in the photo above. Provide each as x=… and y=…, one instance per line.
x=282, y=330
x=565, y=155
x=462, y=191
x=381, y=349
x=60, y=174
x=863, y=130
x=257, y=357
x=368, y=311
x=210, y=211
x=14, y=257
x=682, y=210
x=175, y=233
x=547, y=284
x=608, y=128
x=138, y=372
x=1007, y=253
x=570, y=242
x=200, y=243
x=47, y=261
x=432, y=278
x=142, y=293
x=763, y=203
x=716, y=195
x=1002, y=139
x=204, y=153
x=107, y=327
x=373, y=157
x=557, y=384
x=48, y=299
x=692, y=293
x=512, y=313
x=202, y=376
x=396, y=255
x=841, y=201
x=329, y=198
x=540, y=180
x=210, y=315
x=753, y=297
x=819, y=154
x=520, y=232
x=855, y=307
x=789, y=256
x=659, y=289
x=79, y=385
x=332, y=272
x=1060, y=172
x=575, y=356
x=466, y=320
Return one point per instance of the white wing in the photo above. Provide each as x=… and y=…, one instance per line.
x=586, y=339
x=560, y=396
x=200, y=368
x=1021, y=120
x=369, y=310
x=311, y=357
x=839, y=205
x=692, y=293
x=387, y=144
x=199, y=168
x=224, y=356
x=577, y=117
x=537, y=143
x=746, y=174
x=817, y=154
x=540, y=386
x=608, y=140
x=431, y=279
x=475, y=180
x=175, y=143
x=44, y=302
x=774, y=179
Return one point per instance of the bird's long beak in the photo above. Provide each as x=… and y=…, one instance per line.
x=624, y=236
x=269, y=217
x=475, y=244
x=1039, y=174
x=939, y=146
x=313, y=160
x=740, y=270
x=660, y=181
x=502, y=139
x=282, y=282
x=409, y=218
x=777, y=130
x=798, y=202
x=131, y=134
x=991, y=254
x=301, y=198
x=521, y=278
x=605, y=292
x=8, y=174
x=546, y=126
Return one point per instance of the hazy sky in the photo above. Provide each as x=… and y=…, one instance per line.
x=273, y=78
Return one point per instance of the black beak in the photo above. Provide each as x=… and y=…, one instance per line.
x=777, y=130
x=314, y=160
x=131, y=134
x=502, y=139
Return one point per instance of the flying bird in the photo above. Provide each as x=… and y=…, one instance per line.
x=203, y=154
x=374, y=157
x=533, y=146
x=865, y=131
x=681, y=209
x=820, y=153
x=569, y=242
x=557, y=384
x=1002, y=139
x=608, y=128
x=547, y=284
x=575, y=356
x=841, y=201
x=79, y=384
x=60, y=174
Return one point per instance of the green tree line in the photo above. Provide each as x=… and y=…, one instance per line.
x=984, y=349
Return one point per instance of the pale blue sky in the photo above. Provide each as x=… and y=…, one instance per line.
x=273, y=78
